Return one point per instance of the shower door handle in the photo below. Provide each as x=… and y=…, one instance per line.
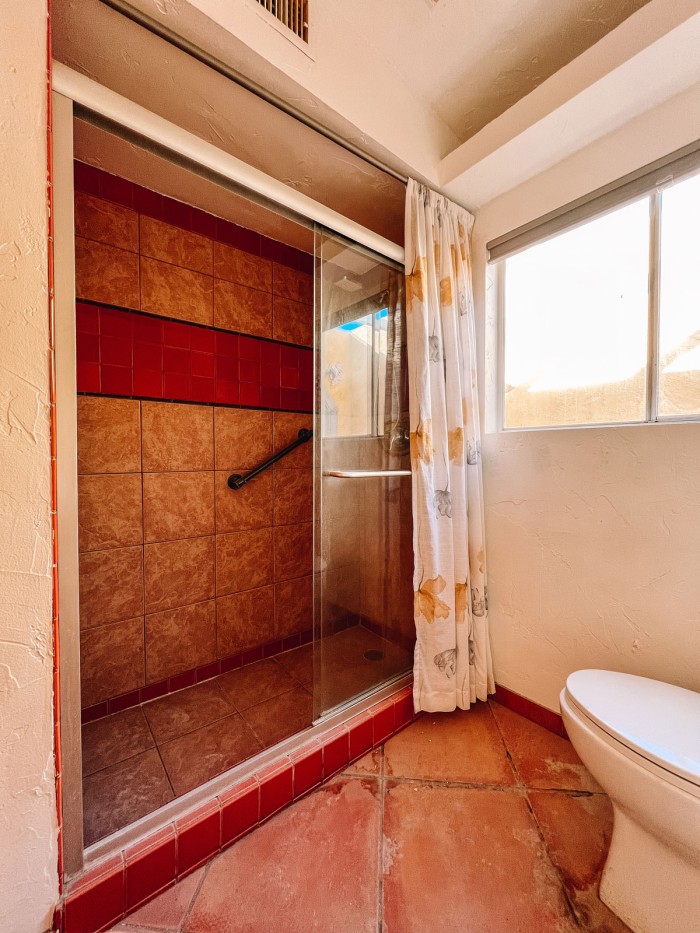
x=365, y=474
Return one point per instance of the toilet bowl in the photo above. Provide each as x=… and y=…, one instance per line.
x=640, y=739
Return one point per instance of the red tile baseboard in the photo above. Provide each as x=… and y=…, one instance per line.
x=107, y=892
x=530, y=710
x=194, y=676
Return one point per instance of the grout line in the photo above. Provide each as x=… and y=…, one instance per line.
x=186, y=916
x=380, y=860
x=516, y=773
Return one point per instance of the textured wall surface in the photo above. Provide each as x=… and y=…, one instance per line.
x=28, y=850
x=592, y=534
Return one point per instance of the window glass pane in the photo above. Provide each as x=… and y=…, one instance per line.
x=679, y=329
x=576, y=313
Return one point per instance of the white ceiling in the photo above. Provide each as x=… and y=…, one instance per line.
x=469, y=96
x=470, y=60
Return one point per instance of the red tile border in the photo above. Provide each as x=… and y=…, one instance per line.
x=240, y=810
x=131, y=354
x=189, y=678
x=276, y=787
x=101, y=184
x=151, y=866
x=530, y=710
x=106, y=892
x=198, y=837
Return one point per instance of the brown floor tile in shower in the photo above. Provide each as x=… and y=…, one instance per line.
x=281, y=716
x=255, y=683
x=325, y=856
x=299, y=663
x=542, y=759
x=465, y=747
x=115, y=738
x=122, y=793
x=195, y=758
x=182, y=712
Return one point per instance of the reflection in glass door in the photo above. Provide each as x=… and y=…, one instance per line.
x=363, y=592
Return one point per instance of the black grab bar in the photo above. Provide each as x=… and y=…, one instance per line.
x=236, y=481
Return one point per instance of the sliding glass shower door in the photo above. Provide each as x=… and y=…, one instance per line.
x=363, y=593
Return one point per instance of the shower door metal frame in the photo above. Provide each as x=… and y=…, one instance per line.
x=74, y=94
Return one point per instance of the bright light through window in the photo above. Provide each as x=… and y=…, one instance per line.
x=679, y=330
x=576, y=310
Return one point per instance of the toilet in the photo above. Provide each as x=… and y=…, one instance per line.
x=640, y=739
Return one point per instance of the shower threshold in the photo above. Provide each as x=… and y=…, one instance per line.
x=139, y=760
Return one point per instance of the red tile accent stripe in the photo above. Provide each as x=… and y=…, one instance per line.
x=104, y=894
x=194, y=676
x=101, y=184
x=530, y=710
x=137, y=355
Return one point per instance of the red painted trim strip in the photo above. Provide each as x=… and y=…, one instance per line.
x=101, y=184
x=130, y=354
x=530, y=710
x=107, y=892
x=195, y=675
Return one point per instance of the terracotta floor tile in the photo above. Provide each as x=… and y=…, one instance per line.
x=168, y=910
x=299, y=663
x=369, y=764
x=463, y=746
x=186, y=710
x=321, y=870
x=577, y=832
x=114, y=738
x=457, y=859
x=543, y=759
x=197, y=757
x=123, y=793
x=281, y=716
x=254, y=683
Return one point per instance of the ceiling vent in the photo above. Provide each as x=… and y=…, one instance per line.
x=294, y=14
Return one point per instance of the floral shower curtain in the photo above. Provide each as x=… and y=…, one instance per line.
x=452, y=664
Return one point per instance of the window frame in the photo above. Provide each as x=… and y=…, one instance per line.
x=647, y=183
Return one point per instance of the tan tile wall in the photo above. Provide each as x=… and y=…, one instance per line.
x=133, y=261
x=176, y=569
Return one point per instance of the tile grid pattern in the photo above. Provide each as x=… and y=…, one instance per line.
x=194, y=676
x=132, y=355
x=180, y=576
x=121, y=884
x=139, y=759
x=512, y=834
x=178, y=572
x=98, y=183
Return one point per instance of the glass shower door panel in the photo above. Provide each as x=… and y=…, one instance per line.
x=363, y=595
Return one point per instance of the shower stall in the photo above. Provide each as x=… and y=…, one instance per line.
x=228, y=585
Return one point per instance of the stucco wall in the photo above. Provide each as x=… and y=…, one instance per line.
x=28, y=835
x=593, y=535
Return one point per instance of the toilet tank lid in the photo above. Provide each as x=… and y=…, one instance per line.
x=659, y=721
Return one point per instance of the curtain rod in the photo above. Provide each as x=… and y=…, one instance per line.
x=205, y=58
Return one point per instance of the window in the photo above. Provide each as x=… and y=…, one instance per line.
x=601, y=322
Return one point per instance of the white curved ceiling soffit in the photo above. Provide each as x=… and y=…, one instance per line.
x=471, y=97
